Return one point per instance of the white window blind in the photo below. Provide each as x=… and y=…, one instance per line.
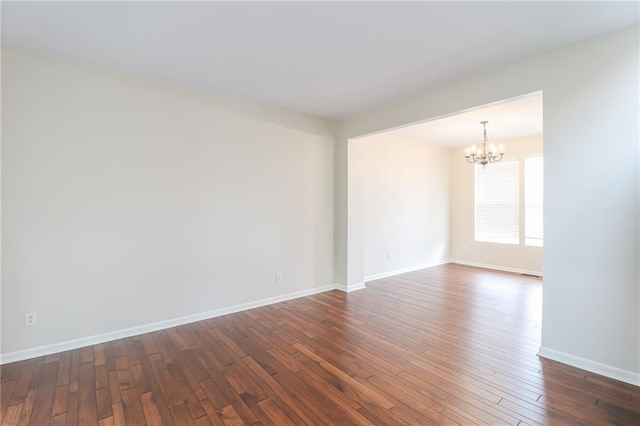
x=497, y=202
x=533, y=200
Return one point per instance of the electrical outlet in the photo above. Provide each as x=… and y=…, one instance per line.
x=278, y=277
x=30, y=319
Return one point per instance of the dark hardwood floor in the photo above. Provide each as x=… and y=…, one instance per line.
x=445, y=345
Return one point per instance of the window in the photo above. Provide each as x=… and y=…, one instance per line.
x=533, y=200
x=497, y=202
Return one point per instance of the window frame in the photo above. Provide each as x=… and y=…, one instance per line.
x=532, y=241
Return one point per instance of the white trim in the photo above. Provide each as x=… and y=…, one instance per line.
x=590, y=365
x=354, y=287
x=161, y=325
x=404, y=270
x=496, y=267
x=341, y=287
x=350, y=287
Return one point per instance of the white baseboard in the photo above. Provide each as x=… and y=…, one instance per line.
x=404, y=270
x=496, y=267
x=161, y=325
x=351, y=287
x=590, y=365
x=354, y=287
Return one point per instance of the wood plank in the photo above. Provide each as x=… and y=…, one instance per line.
x=14, y=370
x=74, y=371
x=621, y=415
x=148, y=344
x=195, y=385
x=118, y=414
x=72, y=408
x=202, y=421
x=22, y=384
x=181, y=415
x=290, y=401
x=27, y=408
x=107, y=421
x=140, y=380
x=214, y=395
x=87, y=414
x=103, y=403
x=274, y=413
x=86, y=354
x=133, y=413
x=11, y=415
x=151, y=413
x=6, y=394
x=102, y=376
x=176, y=387
x=52, y=358
x=42, y=404
x=156, y=389
x=135, y=350
x=212, y=414
x=362, y=388
x=98, y=355
x=123, y=371
x=230, y=417
x=59, y=420
x=114, y=387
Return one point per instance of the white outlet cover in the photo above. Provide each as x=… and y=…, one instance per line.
x=30, y=319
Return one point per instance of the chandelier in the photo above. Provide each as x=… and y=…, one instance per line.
x=484, y=155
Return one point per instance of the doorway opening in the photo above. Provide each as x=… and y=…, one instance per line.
x=415, y=201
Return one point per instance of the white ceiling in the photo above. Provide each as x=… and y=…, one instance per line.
x=507, y=120
x=330, y=59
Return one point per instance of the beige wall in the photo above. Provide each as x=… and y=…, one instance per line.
x=464, y=248
x=406, y=204
x=128, y=201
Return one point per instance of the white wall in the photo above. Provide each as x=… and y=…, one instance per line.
x=127, y=201
x=591, y=315
x=406, y=204
x=464, y=248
